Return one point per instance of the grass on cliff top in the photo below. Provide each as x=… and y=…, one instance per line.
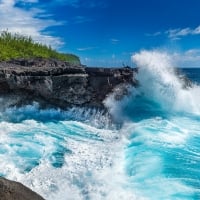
x=19, y=46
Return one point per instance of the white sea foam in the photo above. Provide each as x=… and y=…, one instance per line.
x=159, y=89
x=80, y=155
x=92, y=169
x=92, y=116
x=159, y=82
x=162, y=117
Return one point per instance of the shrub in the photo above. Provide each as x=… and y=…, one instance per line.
x=19, y=46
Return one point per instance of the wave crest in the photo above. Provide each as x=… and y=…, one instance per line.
x=161, y=91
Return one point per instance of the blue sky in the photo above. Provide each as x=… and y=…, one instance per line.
x=107, y=33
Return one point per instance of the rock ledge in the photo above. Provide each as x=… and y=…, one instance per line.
x=60, y=83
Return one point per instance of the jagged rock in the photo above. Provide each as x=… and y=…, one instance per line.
x=11, y=190
x=103, y=81
x=61, y=83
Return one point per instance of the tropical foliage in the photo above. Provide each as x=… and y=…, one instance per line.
x=19, y=46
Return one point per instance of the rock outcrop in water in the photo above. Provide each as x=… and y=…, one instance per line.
x=60, y=83
x=57, y=83
x=11, y=190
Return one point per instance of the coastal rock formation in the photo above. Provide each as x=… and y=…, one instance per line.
x=11, y=190
x=60, y=83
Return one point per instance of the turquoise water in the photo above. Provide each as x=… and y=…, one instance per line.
x=150, y=151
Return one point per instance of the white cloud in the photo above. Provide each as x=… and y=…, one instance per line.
x=153, y=34
x=27, y=22
x=178, y=33
x=175, y=34
x=189, y=58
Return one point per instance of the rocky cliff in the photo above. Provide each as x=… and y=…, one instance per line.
x=57, y=83
x=60, y=83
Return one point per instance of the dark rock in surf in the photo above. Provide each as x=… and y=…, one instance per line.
x=103, y=81
x=11, y=190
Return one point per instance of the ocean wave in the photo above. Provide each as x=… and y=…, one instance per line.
x=146, y=147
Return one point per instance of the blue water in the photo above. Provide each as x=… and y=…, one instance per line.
x=148, y=150
x=192, y=73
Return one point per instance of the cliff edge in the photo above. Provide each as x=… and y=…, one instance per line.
x=61, y=83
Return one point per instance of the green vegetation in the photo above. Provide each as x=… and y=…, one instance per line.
x=19, y=46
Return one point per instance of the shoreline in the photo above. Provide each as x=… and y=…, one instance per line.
x=62, y=84
x=58, y=84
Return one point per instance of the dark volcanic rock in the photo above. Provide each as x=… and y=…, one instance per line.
x=11, y=190
x=102, y=81
x=61, y=83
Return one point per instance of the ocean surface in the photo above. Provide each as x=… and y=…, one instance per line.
x=149, y=150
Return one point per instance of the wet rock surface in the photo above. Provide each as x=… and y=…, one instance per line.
x=11, y=190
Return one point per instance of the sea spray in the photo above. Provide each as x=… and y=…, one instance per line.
x=162, y=116
x=160, y=83
x=95, y=117
x=81, y=154
x=161, y=91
